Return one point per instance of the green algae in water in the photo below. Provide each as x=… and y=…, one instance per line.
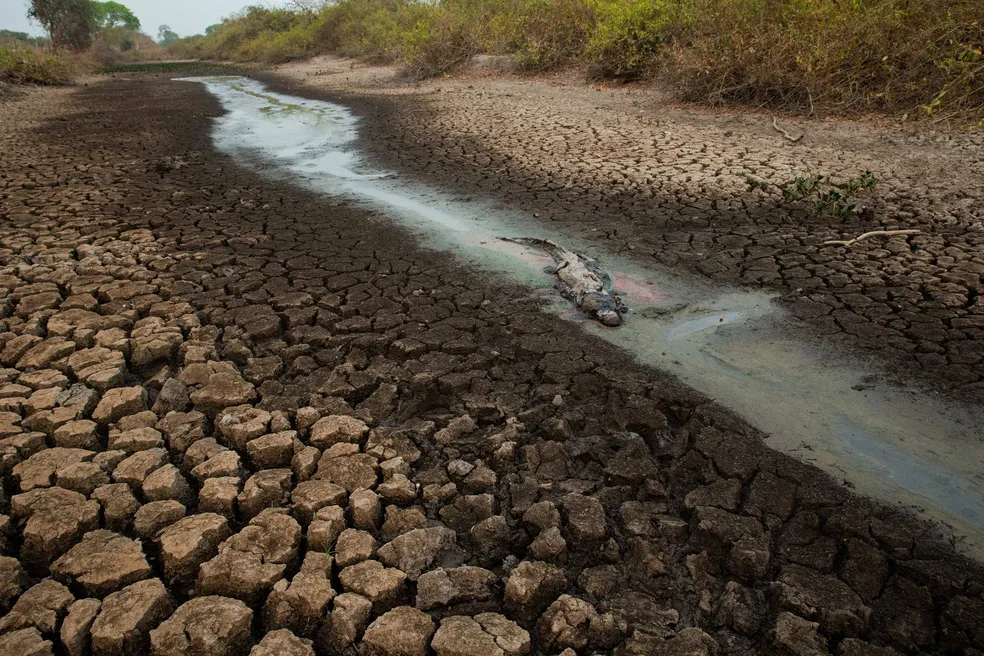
x=280, y=108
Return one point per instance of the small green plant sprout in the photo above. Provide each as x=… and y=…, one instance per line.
x=822, y=195
x=803, y=187
x=868, y=180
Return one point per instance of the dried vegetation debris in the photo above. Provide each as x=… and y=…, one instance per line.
x=281, y=431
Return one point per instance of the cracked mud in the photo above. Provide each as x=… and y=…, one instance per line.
x=699, y=190
x=239, y=417
x=812, y=403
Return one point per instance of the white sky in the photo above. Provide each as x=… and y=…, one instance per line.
x=186, y=17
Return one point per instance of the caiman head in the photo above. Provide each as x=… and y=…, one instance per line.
x=603, y=307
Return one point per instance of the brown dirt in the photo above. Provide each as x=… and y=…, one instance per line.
x=699, y=190
x=210, y=328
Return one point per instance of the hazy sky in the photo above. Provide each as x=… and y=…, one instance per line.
x=186, y=17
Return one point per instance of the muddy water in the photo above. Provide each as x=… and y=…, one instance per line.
x=886, y=442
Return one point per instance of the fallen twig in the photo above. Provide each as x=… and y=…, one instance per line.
x=775, y=124
x=873, y=233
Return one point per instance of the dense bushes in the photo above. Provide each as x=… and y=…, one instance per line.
x=627, y=40
x=915, y=56
x=438, y=41
x=543, y=34
x=84, y=35
x=23, y=64
x=853, y=55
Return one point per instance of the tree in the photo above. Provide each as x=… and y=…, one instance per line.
x=113, y=14
x=70, y=23
x=7, y=35
x=15, y=36
x=212, y=28
x=306, y=5
x=165, y=36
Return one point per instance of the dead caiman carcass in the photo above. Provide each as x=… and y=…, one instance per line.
x=582, y=281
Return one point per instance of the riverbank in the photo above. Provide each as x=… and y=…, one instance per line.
x=910, y=61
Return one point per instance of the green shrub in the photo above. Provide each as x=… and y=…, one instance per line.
x=373, y=30
x=438, y=41
x=255, y=34
x=543, y=34
x=26, y=65
x=629, y=36
x=277, y=47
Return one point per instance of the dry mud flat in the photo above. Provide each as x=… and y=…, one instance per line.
x=696, y=190
x=241, y=418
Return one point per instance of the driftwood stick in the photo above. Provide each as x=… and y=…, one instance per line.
x=775, y=124
x=873, y=233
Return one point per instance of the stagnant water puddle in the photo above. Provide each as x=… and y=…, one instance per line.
x=887, y=442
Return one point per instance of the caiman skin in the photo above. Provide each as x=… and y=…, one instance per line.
x=582, y=281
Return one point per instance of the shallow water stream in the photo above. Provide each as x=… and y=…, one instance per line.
x=889, y=443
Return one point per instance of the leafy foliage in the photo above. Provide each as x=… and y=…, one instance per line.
x=630, y=35
x=439, y=42
x=113, y=14
x=21, y=64
x=821, y=194
x=85, y=36
x=911, y=58
x=862, y=55
x=544, y=34
x=166, y=36
x=79, y=25
x=70, y=23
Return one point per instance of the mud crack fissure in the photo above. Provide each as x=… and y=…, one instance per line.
x=230, y=427
x=783, y=395
x=572, y=154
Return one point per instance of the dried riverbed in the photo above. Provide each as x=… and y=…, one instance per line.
x=238, y=412
x=730, y=344
x=700, y=190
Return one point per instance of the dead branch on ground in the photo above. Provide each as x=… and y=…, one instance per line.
x=775, y=124
x=873, y=233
